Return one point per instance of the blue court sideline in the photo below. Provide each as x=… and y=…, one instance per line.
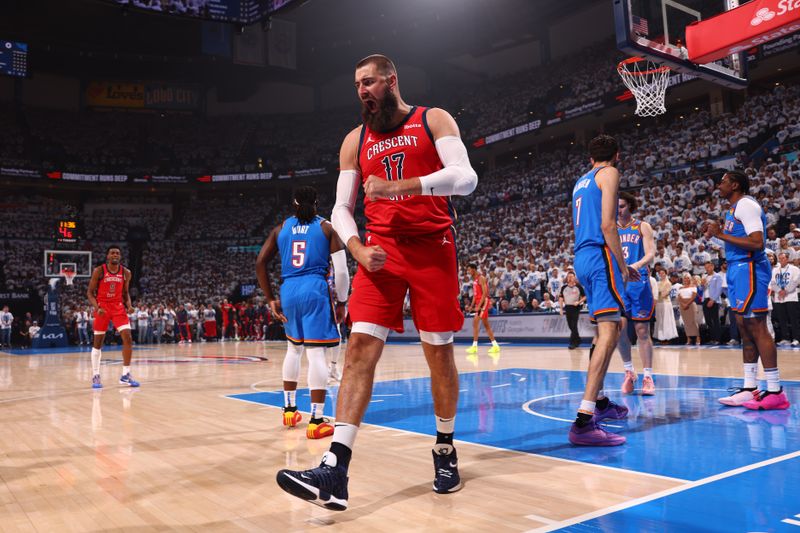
x=681, y=432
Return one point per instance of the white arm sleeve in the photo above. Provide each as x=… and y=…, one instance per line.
x=346, y=196
x=341, y=276
x=749, y=213
x=457, y=177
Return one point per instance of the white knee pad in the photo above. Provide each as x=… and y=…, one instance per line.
x=436, y=338
x=317, y=369
x=367, y=328
x=291, y=363
x=123, y=327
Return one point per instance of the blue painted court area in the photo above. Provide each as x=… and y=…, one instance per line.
x=682, y=432
x=763, y=499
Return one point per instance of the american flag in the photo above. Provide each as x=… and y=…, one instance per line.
x=639, y=25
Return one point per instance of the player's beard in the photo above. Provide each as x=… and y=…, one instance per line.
x=381, y=119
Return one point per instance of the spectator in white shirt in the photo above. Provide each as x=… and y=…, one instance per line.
x=82, y=321
x=785, y=280
x=142, y=318
x=6, y=320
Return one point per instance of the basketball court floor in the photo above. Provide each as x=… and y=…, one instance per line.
x=198, y=445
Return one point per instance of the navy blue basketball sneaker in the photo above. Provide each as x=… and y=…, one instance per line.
x=445, y=467
x=325, y=485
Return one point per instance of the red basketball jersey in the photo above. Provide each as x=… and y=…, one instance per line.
x=477, y=290
x=109, y=290
x=407, y=151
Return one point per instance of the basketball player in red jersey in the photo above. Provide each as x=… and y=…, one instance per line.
x=480, y=305
x=408, y=160
x=226, y=310
x=108, y=295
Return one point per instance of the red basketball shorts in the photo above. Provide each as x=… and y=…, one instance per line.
x=483, y=312
x=424, y=266
x=113, y=312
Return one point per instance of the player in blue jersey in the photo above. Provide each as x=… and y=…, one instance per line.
x=639, y=249
x=307, y=245
x=748, y=275
x=600, y=266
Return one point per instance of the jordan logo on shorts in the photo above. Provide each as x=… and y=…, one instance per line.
x=444, y=240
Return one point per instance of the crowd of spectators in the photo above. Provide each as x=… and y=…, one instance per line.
x=516, y=226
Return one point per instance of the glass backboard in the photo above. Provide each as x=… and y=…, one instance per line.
x=656, y=30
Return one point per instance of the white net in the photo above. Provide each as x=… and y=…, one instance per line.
x=69, y=276
x=648, y=82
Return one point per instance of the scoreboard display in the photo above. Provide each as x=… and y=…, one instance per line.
x=13, y=59
x=67, y=231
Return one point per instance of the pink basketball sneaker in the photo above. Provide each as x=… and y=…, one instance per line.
x=738, y=397
x=629, y=383
x=768, y=400
x=648, y=387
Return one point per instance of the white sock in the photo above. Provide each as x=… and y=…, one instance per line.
x=316, y=409
x=494, y=343
x=648, y=372
x=587, y=407
x=750, y=372
x=288, y=398
x=628, y=366
x=475, y=344
x=773, y=376
x=445, y=425
x=345, y=434
x=97, y=354
x=126, y=370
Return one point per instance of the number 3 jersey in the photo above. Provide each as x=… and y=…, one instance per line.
x=407, y=151
x=304, y=248
x=109, y=290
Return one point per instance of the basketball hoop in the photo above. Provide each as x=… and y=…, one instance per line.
x=69, y=276
x=648, y=82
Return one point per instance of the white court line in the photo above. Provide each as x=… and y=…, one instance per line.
x=541, y=519
x=375, y=401
x=667, y=492
x=503, y=385
x=528, y=409
x=559, y=459
x=384, y=395
x=790, y=521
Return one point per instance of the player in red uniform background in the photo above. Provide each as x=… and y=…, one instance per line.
x=480, y=306
x=108, y=295
x=227, y=310
x=408, y=160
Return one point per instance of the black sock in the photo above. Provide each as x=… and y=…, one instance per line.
x=319, y=420
x=444, y=438
x=291, y=409
x=751, y=389
x=583, y=419
x=602, y=404
x=591, y=351
x=342, y=453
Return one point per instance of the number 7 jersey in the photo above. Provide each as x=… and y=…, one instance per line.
x=304, y=248
x=407, y=151
x=587, y=211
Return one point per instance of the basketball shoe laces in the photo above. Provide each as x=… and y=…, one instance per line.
x=443, y=467
x=327, y=478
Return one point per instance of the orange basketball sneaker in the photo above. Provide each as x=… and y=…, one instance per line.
x=320, y=430
x=291, y=417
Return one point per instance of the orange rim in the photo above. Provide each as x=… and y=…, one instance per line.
x=621, y=67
